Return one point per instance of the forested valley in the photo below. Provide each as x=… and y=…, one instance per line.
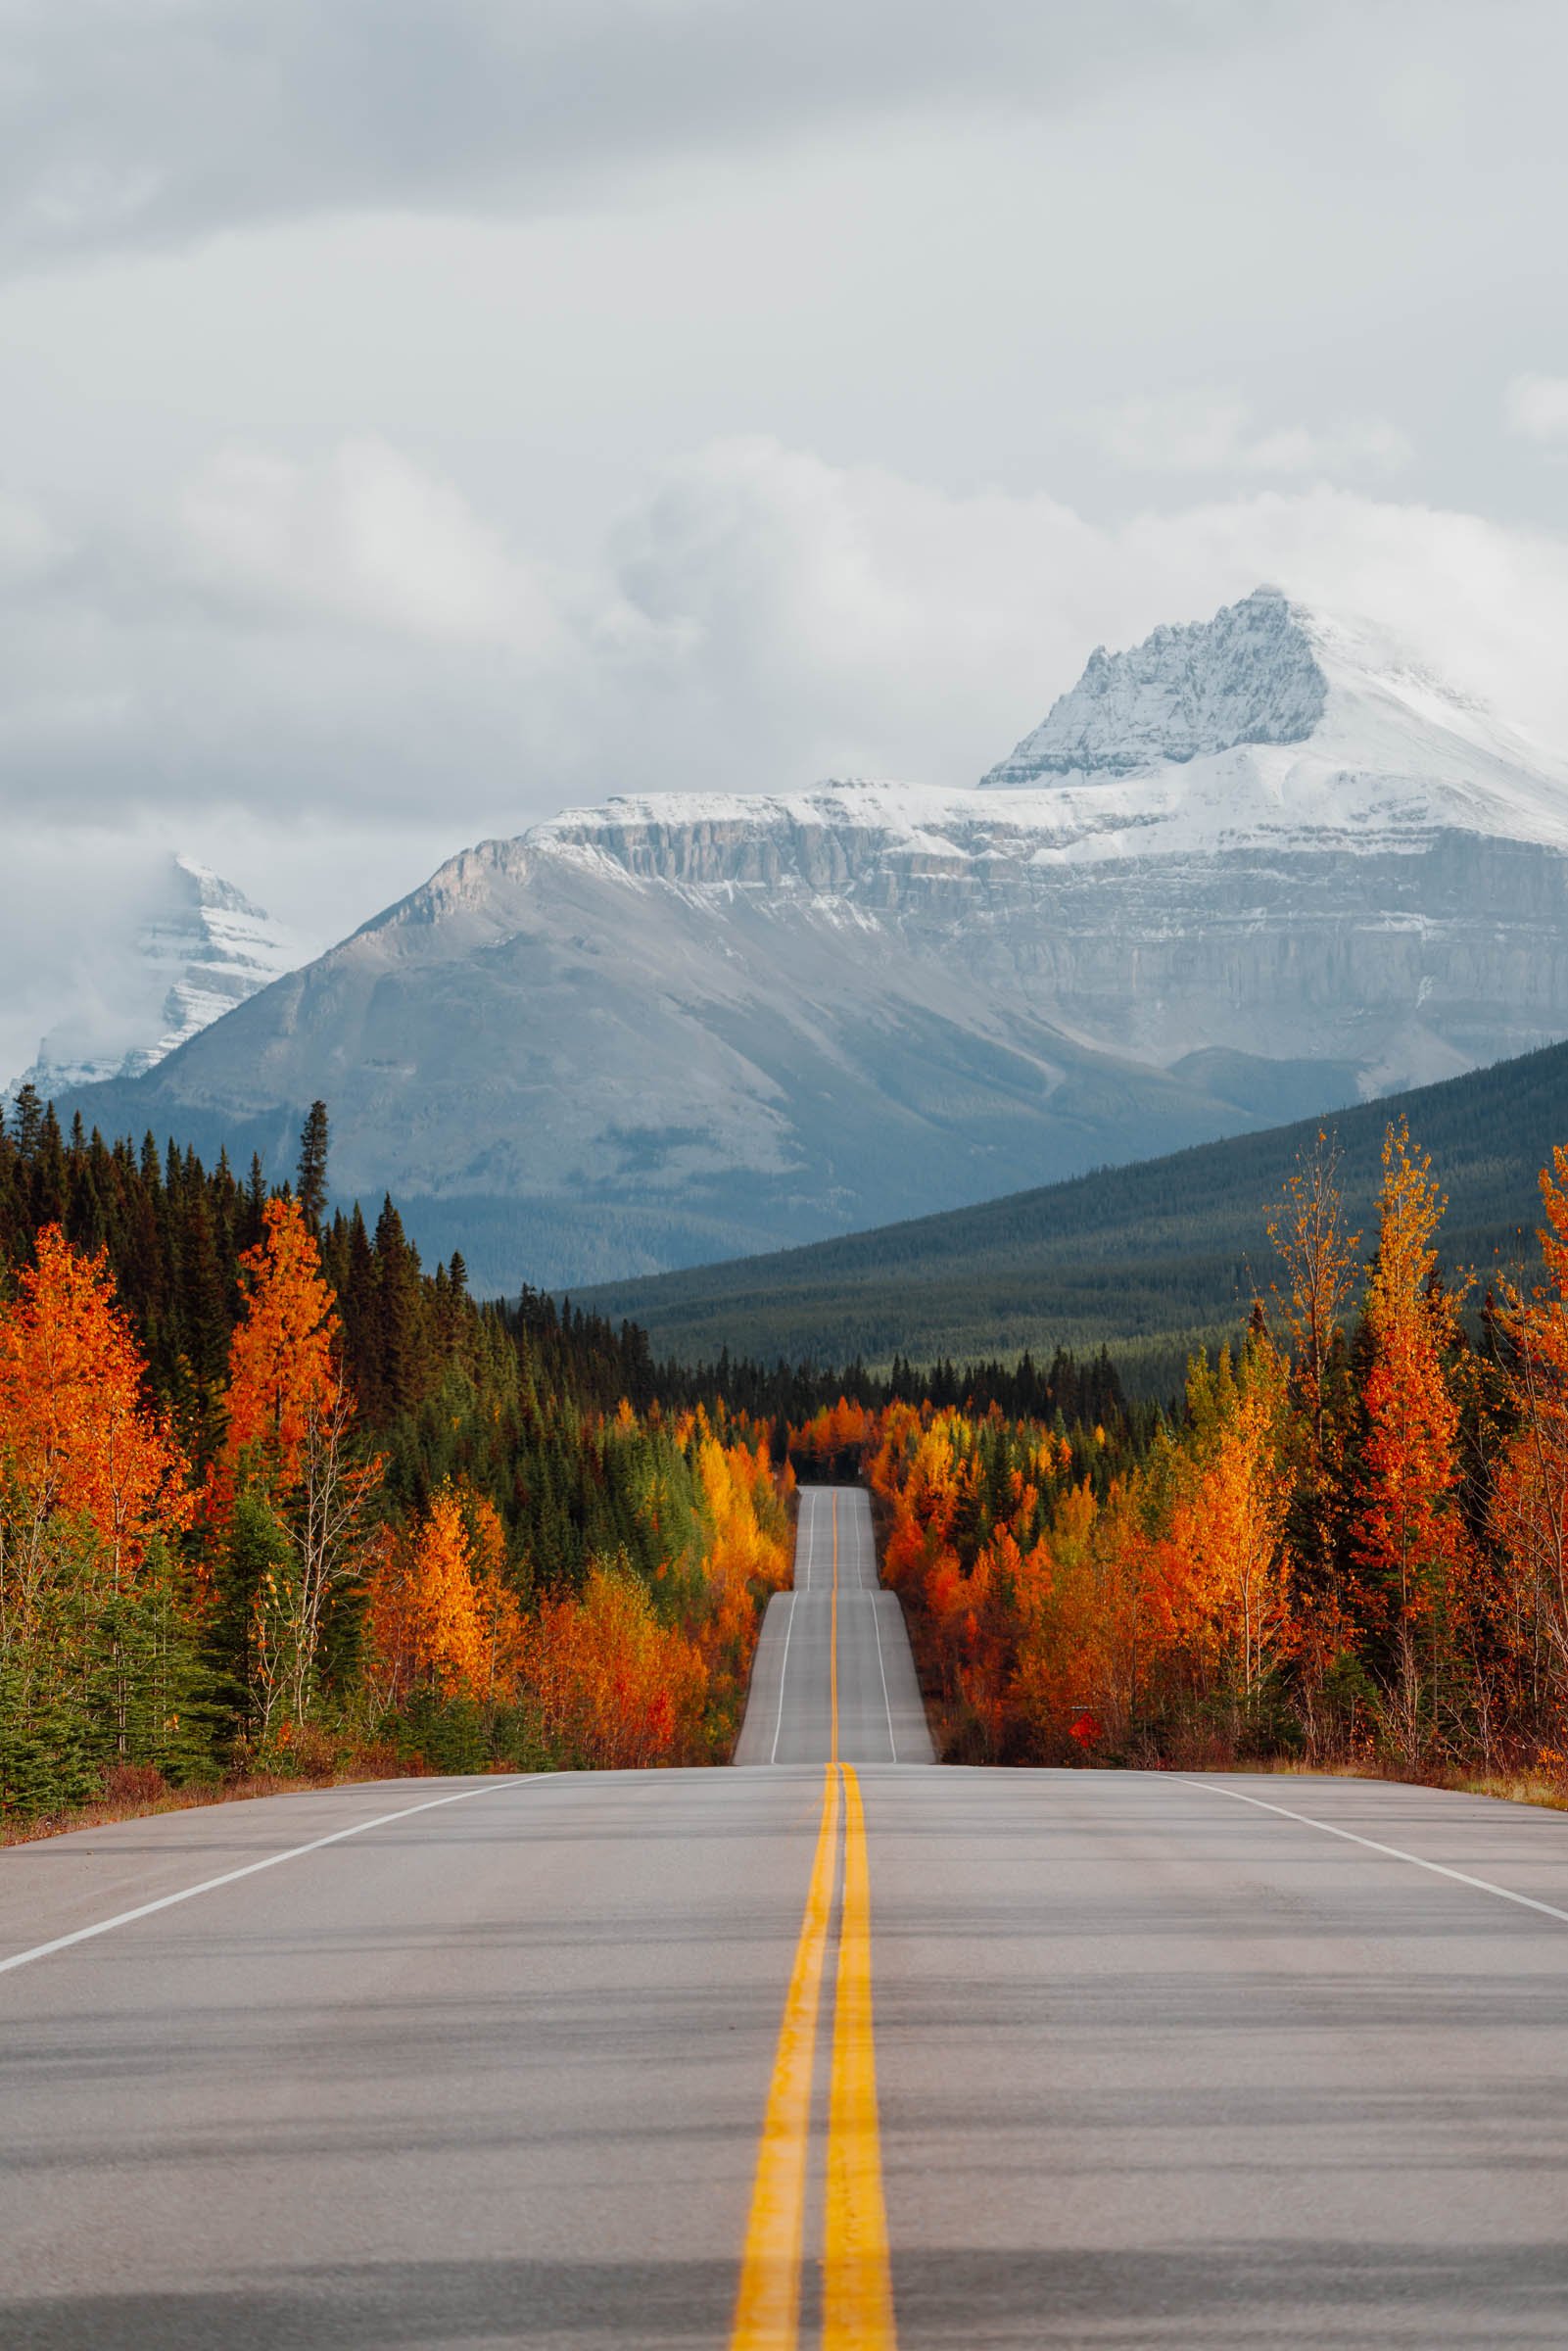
x=277, y=1502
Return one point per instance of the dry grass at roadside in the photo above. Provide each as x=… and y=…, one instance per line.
x=1513, y=1788
x=136, y=1791
x=1537, y=1787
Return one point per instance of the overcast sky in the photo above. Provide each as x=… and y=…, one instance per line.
x=418, y=416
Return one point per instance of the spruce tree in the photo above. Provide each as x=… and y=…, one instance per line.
x=312, y=1182
x=29, y=1122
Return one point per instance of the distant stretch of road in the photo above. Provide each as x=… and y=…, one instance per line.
x=834, y=1676
x=834, y=2050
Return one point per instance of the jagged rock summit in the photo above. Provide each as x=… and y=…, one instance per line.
x=1256, y=868
x=1274, y=717
x=1250, y=675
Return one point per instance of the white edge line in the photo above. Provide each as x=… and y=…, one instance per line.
x=188, y=1893
x=887, y=1703
x=1439, y=1869
x=875, y=1589
x=790, y=1628
x=783, y=1668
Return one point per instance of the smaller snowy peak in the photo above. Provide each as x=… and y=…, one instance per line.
x=1251, y=675
x=195, y=951
x=215, y=948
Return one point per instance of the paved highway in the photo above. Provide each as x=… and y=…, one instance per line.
x=825, y=2052
x=837, y=1604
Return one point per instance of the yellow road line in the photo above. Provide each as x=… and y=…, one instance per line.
x=766, y=2314
x=832, y=1643
x=857, y=2281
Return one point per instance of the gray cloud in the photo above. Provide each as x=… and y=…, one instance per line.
x=327, y=544
x=127, y=120
x=351, y=635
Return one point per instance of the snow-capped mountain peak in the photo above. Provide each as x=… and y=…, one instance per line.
x=189, y=952
x=1250, y=675
x=1248, y=870
x=215, y=948
x=1274, y=717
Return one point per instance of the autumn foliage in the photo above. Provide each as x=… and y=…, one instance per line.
x=1351, y=1541
x=438, y=1612
x=94, y=1493
x=493, y=1566
x=81, y=1442
x=270, y=1494
x=283, y=1377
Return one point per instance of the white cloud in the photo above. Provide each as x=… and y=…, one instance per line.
x=1209, y=433
x=334, y=635
x=364, y=538
x=1536, y=407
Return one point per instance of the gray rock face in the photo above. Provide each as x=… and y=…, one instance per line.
x=1249, y=675
x=676, y=1028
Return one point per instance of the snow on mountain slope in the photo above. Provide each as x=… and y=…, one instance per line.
x=1249, y=675
x=195, y=951
x=1260, y=867
x=1268, y=725
x=1272, y=722
x=216, y=949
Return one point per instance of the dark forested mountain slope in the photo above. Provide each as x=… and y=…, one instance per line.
x=1136, y=1257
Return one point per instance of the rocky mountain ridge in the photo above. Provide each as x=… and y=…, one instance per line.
x=1288, y=870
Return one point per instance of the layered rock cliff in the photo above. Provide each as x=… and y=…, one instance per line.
x=1253, y=868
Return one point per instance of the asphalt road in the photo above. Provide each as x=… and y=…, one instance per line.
x=1124, y=2059
x=837, y=1598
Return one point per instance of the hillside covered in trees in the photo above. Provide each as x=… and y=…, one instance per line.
x=274, y=1497
x=1150, y=1260
x=1349, y=1545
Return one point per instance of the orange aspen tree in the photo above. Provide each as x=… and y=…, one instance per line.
x=1126, y=1594
x=615, y=1689
x=1062, y=1675
x=289, y=1440
x=90, y=1472
x=1529, y=1515
x=421, y=1617
x=437, y=1614
x=500, y=1618
x=1229, y=1518
x=746, y=1552
x=1410, y=1537
x=282, y=1369
x=79, y=1438
x=1319, y=1256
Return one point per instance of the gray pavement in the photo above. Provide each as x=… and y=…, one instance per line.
x=1157, y=2065
x=789, y=1718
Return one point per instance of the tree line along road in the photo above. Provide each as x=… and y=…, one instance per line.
x=834, y=2047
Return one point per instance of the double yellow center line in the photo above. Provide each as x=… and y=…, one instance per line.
x=856, y=2289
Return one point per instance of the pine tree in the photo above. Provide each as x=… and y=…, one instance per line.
x=311, y=1189
x=29, y=1123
